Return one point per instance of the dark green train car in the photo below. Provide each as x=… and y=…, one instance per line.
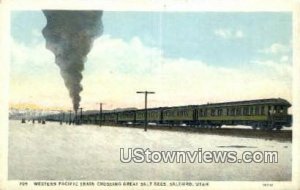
x=85, y=118
x=154, y=115
x=126, y=116
x=266, y=114
x=92, y=118
x=179, y=115
x=110, y=117
x=263, y=113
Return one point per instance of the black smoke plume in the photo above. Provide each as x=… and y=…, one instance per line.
x=70, y=35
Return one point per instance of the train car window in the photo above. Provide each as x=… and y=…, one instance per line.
x=185, y=113
x=213, y=112
x=256, y=110
x=200, y=112
x=244, y=110
x=281, y=109
x=232, y=111
x=238, y=111
x=227, y=110
x=251, y=111
x=168, y=113
x=285, y=109
x=269, y=110
x=278, y=109
x=220, y=112
x=262, y=110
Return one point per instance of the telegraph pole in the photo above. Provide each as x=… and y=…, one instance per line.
x=62, y=118
x=75, y=118
x=146, y=111
x=100, y=114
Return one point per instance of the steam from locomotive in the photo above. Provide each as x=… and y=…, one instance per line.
x=70, y=35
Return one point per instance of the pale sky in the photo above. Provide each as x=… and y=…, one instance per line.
x=186, y=58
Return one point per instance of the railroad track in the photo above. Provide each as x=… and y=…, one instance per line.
x=282, y=135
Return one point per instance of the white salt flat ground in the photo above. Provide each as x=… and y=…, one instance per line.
x=87, y=152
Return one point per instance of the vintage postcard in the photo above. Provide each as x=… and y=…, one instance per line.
x=165, y=95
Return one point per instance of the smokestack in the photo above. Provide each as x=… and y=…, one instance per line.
x=70, y=35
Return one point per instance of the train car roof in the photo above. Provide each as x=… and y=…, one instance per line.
x=270, y=101
x=151, y=109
